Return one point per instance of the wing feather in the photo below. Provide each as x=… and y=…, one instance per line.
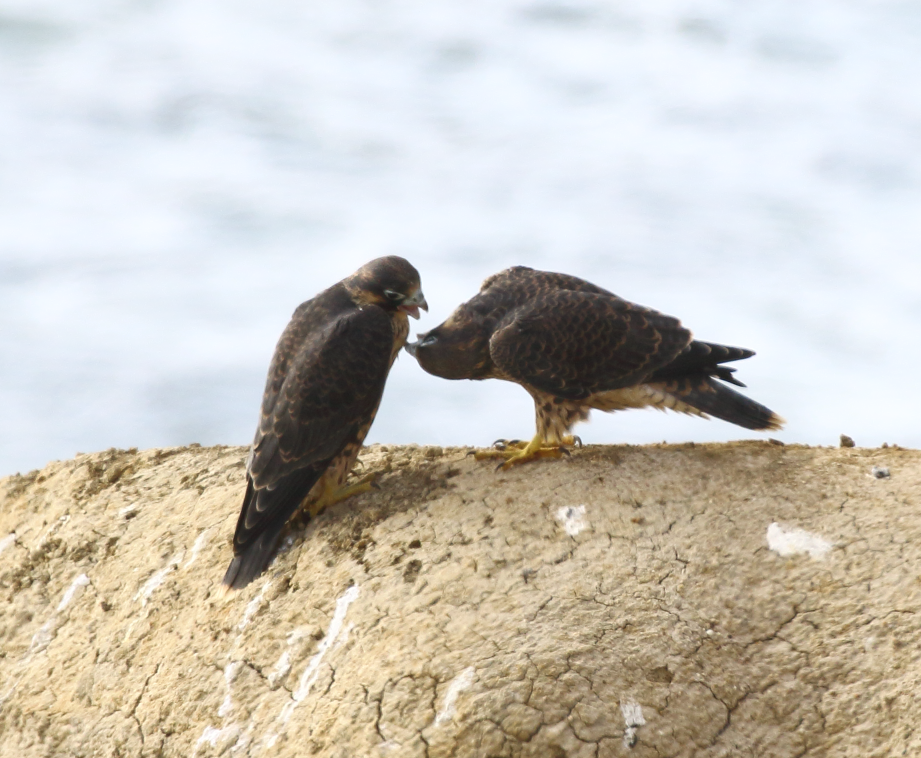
x=572, y=344
x=332, y=387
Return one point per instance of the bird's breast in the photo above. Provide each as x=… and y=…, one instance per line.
x=400, y=324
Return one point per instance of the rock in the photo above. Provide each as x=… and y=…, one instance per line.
x=744, y=599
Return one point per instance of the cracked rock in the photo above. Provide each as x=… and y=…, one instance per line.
x=455, y=613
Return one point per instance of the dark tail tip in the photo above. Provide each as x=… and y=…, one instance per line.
x=241, y=571
x=775, y=422
x=232, y=580
x=252, y=561
x=717, y=400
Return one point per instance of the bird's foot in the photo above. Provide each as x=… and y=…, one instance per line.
x=515, y=452
x=331, y=495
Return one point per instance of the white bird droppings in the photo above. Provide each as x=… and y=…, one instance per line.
x=332, y=633
x=796, y=541
x=633, y=719
x=572, y=517
x=7, y=541
x=52, y=529
x=449, y=706
x=283, y=665
x=253, y=606
x=230, y=673
x=75, y=586
x=213, y=736
x=43, y=637
x=152, y=584
x=310, y=673
x=196, y=547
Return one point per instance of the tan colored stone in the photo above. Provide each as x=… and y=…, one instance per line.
x=462, y=612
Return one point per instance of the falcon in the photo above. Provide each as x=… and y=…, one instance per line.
x=575, y=346
x=324, y=385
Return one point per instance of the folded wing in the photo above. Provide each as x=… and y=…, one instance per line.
x=574, y=344
x=324, y=386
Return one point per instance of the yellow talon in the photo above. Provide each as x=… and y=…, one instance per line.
x=517, y=452
x=331, y=495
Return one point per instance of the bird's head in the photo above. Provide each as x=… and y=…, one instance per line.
x=391, y=283
x=456, y=349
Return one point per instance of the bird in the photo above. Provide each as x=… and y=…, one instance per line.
x=574, y=347
x=322, y=392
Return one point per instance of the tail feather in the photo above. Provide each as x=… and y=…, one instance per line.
x=703, y=358
x=254, y=559
x=263, y=516
x=716, y=399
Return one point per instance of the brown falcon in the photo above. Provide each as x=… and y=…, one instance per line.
x=321, y=395
x=575, y=346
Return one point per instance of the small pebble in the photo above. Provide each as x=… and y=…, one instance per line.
x=880, y=472
x=846, y=441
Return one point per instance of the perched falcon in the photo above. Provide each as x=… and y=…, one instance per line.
x=575, y=346
x=324, y=385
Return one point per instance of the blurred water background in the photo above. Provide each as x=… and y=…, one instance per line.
x=177, y=175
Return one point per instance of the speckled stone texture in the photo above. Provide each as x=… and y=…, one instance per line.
x=624, y=602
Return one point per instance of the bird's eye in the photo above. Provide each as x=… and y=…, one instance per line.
x=430, y=340
x=393, y=295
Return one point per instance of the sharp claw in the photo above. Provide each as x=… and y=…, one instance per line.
x=565, y=451
x=576, y=441
x=374, y=484
x=471, y=452
x=501, y=466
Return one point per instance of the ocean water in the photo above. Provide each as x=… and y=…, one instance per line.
x=177, y=175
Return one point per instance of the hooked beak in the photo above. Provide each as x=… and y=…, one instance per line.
x=412, y=304
x=410, y=347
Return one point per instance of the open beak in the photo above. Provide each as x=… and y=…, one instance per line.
x=412, y=304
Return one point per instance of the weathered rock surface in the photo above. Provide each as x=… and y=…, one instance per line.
x=642, y=601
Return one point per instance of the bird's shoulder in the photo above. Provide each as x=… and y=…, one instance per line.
x=324, y=332
x=519, y=286
x=317, y=393
x=525, y=282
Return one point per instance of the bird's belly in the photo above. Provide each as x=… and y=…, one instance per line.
x=641, y=396
x=337, y=473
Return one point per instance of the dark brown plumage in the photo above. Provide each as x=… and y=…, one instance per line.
x=575, y=346
x=323, y=389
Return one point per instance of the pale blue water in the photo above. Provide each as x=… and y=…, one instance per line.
x=176, y=176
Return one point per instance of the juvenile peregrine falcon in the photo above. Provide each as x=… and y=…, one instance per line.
x=323, y=389
x=575, y=346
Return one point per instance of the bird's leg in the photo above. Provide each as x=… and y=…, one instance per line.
x=332, y=494
x=519, y=452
